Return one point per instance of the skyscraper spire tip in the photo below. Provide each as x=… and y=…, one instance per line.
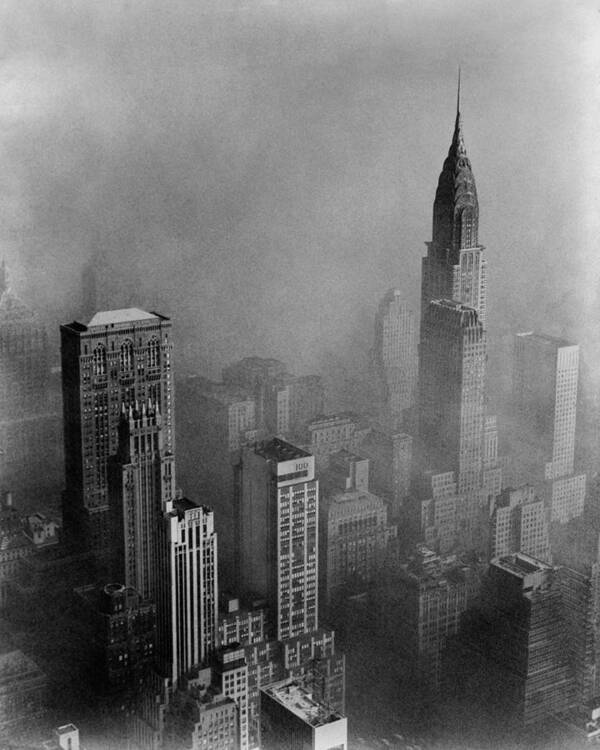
x=458, y=94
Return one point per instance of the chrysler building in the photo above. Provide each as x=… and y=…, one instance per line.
x=454, y=267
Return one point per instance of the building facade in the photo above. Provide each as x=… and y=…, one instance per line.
x=455, y=265
x=187, y=605
x=394, y=356
x=141, y=478
x=277, y=533
x=119, y=358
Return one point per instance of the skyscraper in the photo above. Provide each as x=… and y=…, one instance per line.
x=515, y=653
x=452, y=391
x=119, y=358
x=545, y=377
x=277, y=533
x=187, y=606
x=395, y=356
x=455, y=266
x=457, y=471
x=545, y=380
x=141, y=483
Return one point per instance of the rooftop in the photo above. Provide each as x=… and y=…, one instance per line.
x=545, y=339
x=520, y=564
x=112, y=317
x=278, y=450
x=299, y=701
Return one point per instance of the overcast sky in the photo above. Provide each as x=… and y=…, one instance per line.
x=265, y=171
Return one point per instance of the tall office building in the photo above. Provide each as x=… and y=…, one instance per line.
x=452, y=392
x=119, y=358
x=141, y=483
x=455, y=265
x=515, y=653
x=277, y=533
x=545, y=380
x=394, y=356
x=187, y=602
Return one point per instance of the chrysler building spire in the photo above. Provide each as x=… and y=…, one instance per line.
x=455, y=266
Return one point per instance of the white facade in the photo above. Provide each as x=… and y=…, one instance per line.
x=188, y=626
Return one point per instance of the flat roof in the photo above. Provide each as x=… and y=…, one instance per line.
x=299, y=701
x=545, y=338
x=279, y=450
x=521, y=564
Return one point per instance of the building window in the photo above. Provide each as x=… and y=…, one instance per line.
x=126, y=356
x=99, y=360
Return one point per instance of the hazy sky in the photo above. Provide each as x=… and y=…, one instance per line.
x=264, y=171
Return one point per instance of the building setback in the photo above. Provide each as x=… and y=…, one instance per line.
x=187, y=603
x=119, y=358
x=141, y=483
x=520, y=523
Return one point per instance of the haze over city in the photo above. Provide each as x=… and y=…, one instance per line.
x=299, y=375
x=264, y=171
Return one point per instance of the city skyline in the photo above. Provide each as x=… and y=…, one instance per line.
x=374, y=126
x=332, y=544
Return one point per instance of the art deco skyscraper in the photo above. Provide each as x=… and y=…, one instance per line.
x=187, y=608
x=119, y=358
x=141, y=484
x=452, y=391
x=278, y=507
x=454, y=267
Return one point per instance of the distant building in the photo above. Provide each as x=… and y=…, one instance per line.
x=65, y=738
x=520, y=523
x=120, y=358
x=277, y=533
x=291, y=718
x=23, y=691
x=285, y=403
x=122, y=636
x=390, y=458
x=353, y=529
x=327, y=434
x=545, y=388
x=14, y=545
x=394, y=356
x=218, y=419
x=545, y=379
x=30, y=413
x=230, y=674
